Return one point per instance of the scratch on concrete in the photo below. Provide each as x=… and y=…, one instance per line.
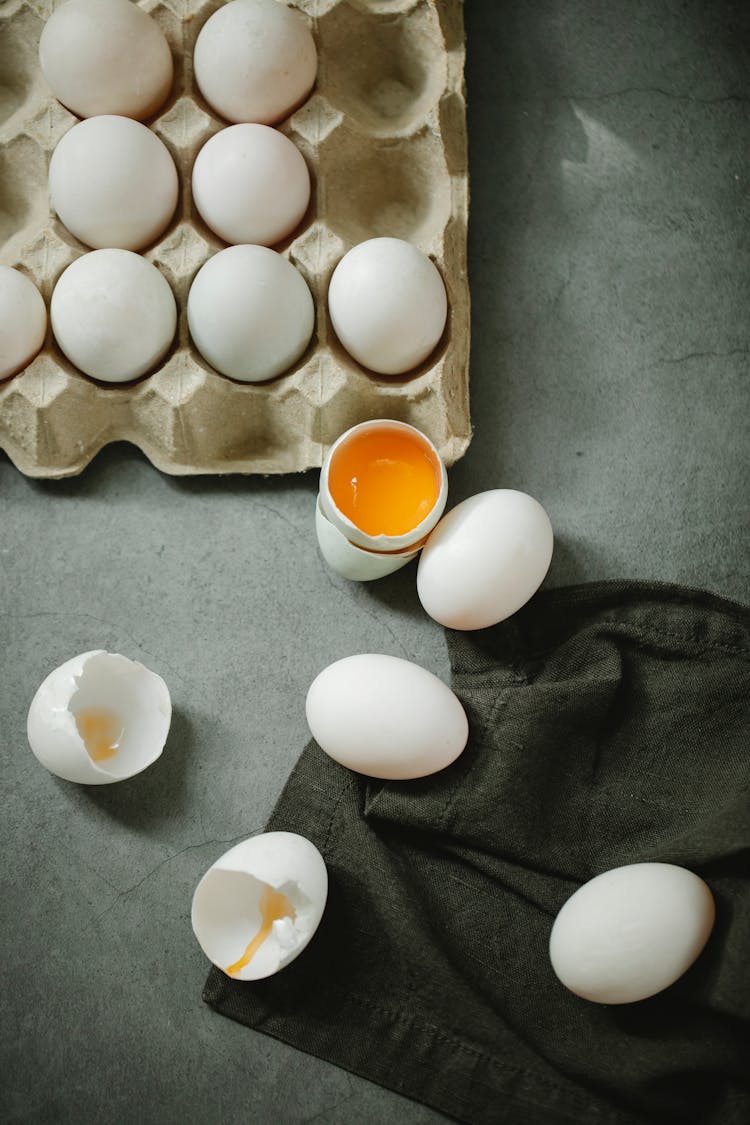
x=101, y=621
x=163, y=863
x=705, y=355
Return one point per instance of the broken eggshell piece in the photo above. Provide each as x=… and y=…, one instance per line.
x=99, y=718
x=258, y=906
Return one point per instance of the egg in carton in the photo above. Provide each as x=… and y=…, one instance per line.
x=384, y=136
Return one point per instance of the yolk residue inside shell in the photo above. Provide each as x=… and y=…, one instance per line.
x=273, y=906
x=101, y=730
x=385, y=481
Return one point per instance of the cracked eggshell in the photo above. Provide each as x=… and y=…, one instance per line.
x=386, y=717
x=99, y=680
x=226, y=912
x=485, y=559
x=351, y=561
x=383, y=544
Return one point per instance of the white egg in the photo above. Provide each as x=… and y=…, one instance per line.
x=485, y=559
x=631, y=932
x=255, y=60
x=383, y=485
x=250, y=313
x=388, y=305
x=23, y=321
x=99, y=718
x=106, y=56
x=251, y=184
x=113, y=183
x=386, y=717
x=113, y=315
x=258, y=906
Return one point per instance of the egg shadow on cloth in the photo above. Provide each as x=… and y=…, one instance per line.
x=310, y=983
x=649, y=1018
x=157, y=794
x=653, y=1020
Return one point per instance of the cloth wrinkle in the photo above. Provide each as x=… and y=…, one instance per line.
x=608, y=725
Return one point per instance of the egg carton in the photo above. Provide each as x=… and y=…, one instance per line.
x=384, y=135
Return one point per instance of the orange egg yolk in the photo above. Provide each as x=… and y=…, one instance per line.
x=101, y=731
x=273, y=906
x=385, y=481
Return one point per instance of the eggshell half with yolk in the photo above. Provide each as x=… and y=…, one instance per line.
x=383, y=485
x=258, y=906
x=99, y=718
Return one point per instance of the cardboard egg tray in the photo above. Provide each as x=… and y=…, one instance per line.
x=384, y=135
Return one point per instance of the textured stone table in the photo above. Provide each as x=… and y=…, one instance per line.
x=610, y=273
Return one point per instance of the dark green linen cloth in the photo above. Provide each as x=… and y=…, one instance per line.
x=609, y=725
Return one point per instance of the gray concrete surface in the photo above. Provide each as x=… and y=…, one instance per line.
x=610, y=273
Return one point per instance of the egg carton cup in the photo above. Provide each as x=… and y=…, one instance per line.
x=384, y=136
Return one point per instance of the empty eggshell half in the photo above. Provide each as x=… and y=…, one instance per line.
x=485, y=559
x=631, y=932
x=386, y=717
x=99, y=718
x=258, y=906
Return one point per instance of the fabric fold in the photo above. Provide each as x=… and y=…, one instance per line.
x=608, y=725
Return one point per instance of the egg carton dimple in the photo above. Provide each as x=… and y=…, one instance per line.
x=384, y=136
